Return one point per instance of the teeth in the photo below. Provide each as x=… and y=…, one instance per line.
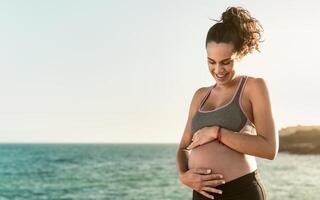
x=220, y=76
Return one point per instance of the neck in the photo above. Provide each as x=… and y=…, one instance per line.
x=229, y=84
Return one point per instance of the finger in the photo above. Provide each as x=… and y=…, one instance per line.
x=214, y=183
x=190, y=146
x=201, y=170
x=195, y=135
x=209, y=177
x=211, y=189
x=193, y=145
x=194, y=138
x=206, y=194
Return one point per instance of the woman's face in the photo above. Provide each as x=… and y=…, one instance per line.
x=221, y=60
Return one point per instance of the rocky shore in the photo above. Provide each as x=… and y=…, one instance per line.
x=300, y=139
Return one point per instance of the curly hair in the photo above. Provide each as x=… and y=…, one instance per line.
x=238, y=27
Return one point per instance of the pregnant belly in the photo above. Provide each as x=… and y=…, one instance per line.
x=221, y=159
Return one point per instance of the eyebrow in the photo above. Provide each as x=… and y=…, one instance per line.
x=221, y=60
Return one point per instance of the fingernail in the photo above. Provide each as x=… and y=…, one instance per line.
x=220, y=192
x=208, y=170
x=223, y=182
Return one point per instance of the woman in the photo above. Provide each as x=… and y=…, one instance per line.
x=230, y=122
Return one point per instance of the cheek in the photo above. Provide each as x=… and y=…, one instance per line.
x=229, y=68
x=211, y=66
x=211, y=69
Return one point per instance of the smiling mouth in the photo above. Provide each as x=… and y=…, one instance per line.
x=221, y=76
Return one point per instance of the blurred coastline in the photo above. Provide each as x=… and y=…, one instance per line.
x=300, y=139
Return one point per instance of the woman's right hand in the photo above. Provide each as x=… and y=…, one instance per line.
x=202, y=181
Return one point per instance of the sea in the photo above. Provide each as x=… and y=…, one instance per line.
x=131, y=172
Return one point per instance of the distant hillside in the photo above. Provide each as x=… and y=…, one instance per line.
x=300, y=139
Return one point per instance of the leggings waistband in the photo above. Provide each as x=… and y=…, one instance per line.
x=240, y=183
x=249, y=186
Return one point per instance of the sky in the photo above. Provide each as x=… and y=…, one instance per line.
x=125, y=71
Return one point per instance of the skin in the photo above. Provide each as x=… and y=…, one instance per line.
x=237, y=149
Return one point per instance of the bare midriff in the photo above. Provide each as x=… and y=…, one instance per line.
x=222, y=159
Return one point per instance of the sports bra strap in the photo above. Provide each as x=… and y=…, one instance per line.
x=243, y=80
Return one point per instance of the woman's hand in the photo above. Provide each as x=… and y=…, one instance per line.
x=202, y=181
x=203, y=136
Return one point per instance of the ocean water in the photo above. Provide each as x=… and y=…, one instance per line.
x=130, y=172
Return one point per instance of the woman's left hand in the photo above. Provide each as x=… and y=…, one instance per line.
x=203, y=136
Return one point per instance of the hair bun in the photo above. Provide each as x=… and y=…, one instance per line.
x=245, y=29
x=237, y=26
x=231, y=16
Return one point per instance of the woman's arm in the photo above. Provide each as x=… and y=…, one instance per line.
x=182, y=159
x=198, y=179
x=266, y=143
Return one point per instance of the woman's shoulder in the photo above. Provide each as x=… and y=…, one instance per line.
x=202, y=91
x=255, y=81
x=255, y=86
x=199, y=94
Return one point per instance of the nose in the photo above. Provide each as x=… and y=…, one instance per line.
x=219, y=69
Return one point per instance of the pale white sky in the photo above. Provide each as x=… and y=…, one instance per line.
x=125, y=71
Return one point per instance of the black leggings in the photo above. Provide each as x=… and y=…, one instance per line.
x=247, y=187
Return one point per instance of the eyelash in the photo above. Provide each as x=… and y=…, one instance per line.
x=222, y=63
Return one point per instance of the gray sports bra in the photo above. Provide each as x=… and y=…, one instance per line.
x=230, y=116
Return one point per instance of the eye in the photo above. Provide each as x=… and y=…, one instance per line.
x=226, y=62
x=211, y=62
